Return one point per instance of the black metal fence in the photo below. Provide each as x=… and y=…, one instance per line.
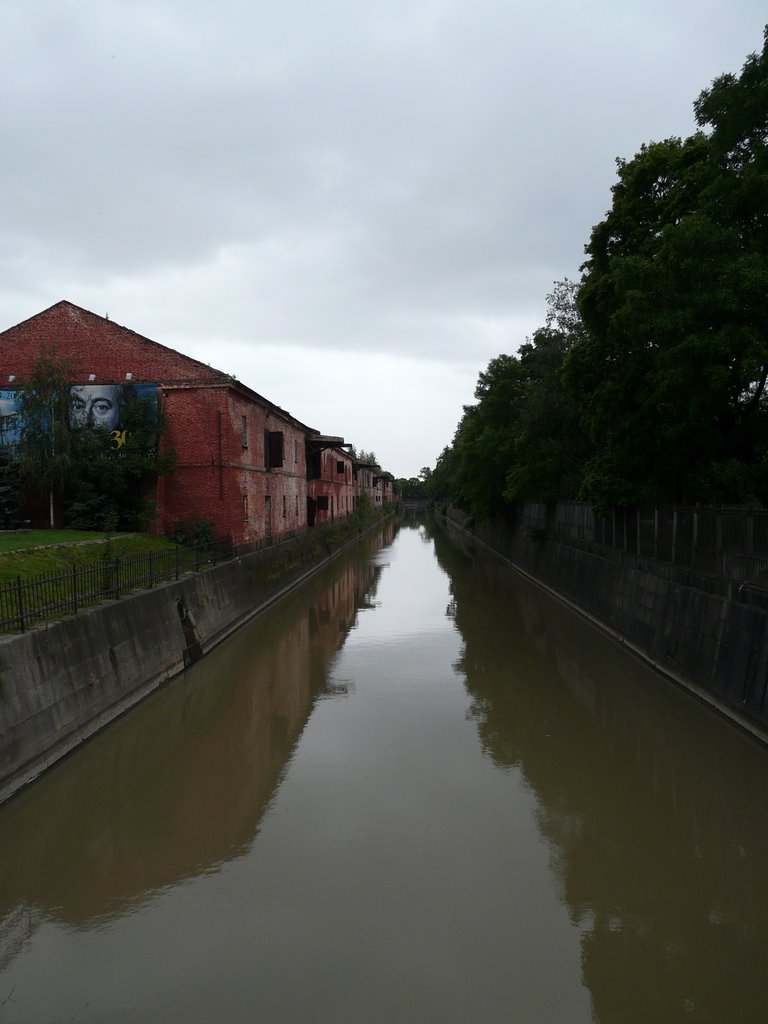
x=29, y=601
x=730, y=543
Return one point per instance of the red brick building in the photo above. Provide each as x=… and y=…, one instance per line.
x=330, y=479
x=241, y=460
x=362, y=474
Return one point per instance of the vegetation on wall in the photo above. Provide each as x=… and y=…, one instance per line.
x=647, y=382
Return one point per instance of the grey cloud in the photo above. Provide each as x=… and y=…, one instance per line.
x=375, y=166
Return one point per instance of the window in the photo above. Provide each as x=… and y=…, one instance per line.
x=274, y=454
x=285, y=510
x=297, y=505
x=322, y=502
x=244, y=430
x=314, y=467
x=339, y=466
x=295, y=451
x=245, y=508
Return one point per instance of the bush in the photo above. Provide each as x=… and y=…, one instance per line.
x=193, y=532
x=97, y=513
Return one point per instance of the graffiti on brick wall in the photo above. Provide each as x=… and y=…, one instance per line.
x=10, y=418
x=100, y=406
x=92, y=407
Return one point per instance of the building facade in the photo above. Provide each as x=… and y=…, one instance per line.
x=241, y=460
x=330, y=479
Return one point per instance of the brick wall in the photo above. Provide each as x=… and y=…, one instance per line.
x=95, y=345
x=221, y=472
x=336, y=484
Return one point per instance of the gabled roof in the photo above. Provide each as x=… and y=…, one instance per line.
x=65, y=318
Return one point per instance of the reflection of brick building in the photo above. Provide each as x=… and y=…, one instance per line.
x=241, y=459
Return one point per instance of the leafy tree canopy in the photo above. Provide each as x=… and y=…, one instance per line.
x=671, y=373
x=102, y=481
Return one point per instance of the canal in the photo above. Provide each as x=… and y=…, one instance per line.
x=416, y=790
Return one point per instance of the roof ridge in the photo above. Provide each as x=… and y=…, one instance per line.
x=66, y=303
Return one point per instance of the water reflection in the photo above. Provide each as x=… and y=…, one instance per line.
x=181, y=784
x=502, y=816
x=651, y=806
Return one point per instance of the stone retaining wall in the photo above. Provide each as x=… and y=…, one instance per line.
x=63, y=681
x=707, y=634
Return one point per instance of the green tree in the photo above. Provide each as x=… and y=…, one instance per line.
x=485, y=441
x=43, y=452
x=670, y=375
x=440, y=486
x=410, y=487
x=364, y=456
x=550, y=443
x=101, y=482
x=112, y=486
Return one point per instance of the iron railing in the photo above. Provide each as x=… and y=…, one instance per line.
x=729, y=543
x=26, y=602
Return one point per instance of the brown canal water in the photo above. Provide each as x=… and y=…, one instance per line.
x=417, y=790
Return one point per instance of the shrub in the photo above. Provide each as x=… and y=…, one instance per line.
x=193, y=531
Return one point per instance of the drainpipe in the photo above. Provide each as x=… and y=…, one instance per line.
x=221, y=456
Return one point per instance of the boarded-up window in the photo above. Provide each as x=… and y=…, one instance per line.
x=275, y=444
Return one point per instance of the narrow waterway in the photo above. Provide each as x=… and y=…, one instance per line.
x=416, y=790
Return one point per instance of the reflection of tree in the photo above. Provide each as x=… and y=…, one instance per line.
x=181, y=784
x=651, y=808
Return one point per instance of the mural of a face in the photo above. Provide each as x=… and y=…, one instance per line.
x=94, y=405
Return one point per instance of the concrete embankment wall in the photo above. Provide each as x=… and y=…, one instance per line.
x=62, y=682
x=707, y=634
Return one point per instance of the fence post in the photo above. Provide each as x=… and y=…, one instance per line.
x=720, y=568
x=749, y=544
x=117, y=577
x=177, y=561
x=674, y=535
x=197, y=558
x=74, y=588
x=20, y=603
x=151, y=571
x=656, y=532
x=694, y=539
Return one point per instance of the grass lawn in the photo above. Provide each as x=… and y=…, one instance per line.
x=16, y=539
x=32, y=552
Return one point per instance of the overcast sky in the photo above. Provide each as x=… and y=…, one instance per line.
x=350, y=205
